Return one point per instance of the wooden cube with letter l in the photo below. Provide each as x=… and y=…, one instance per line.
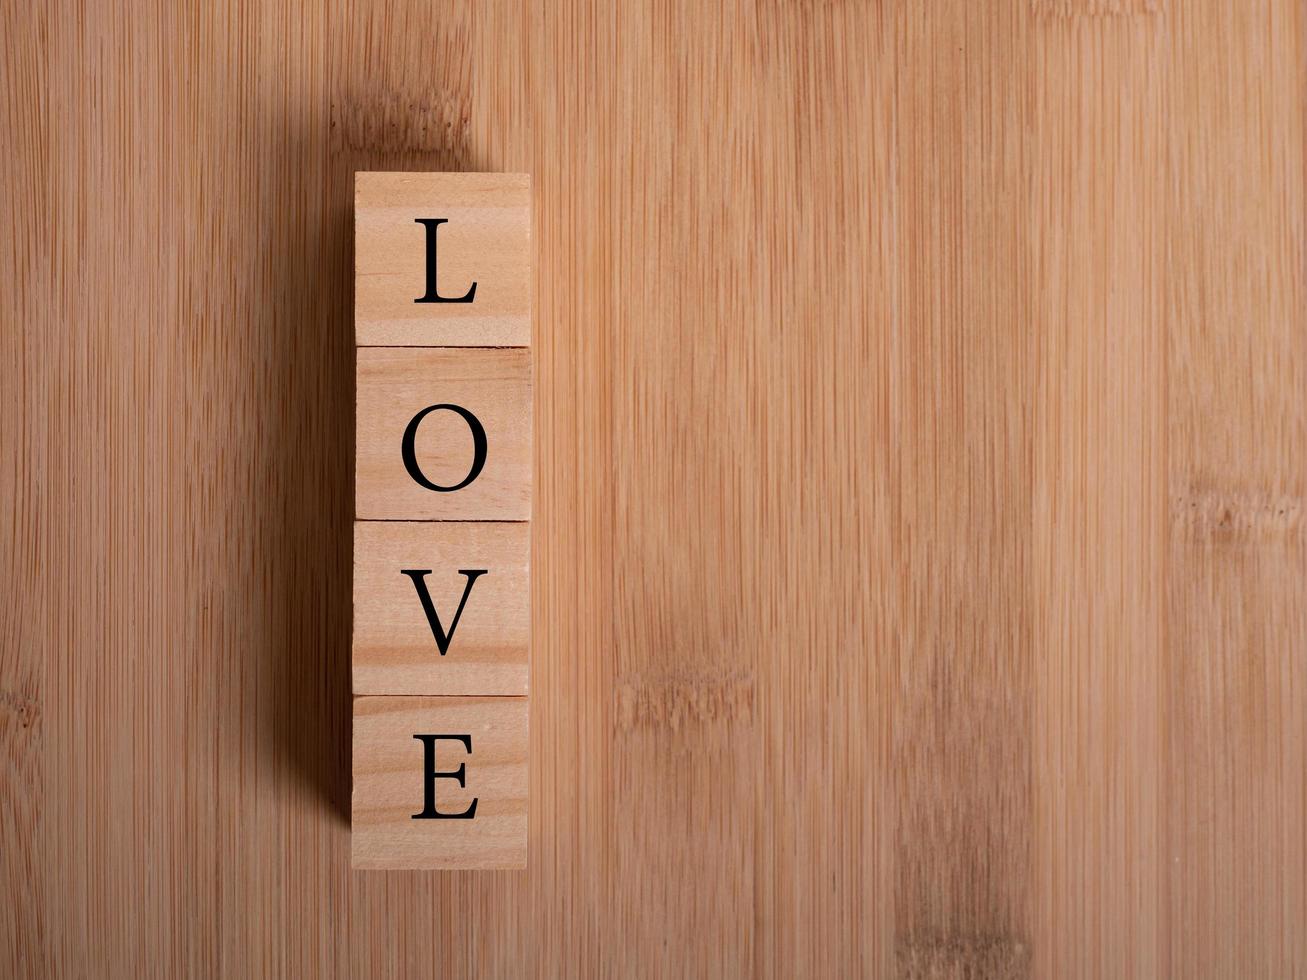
x=442, y=260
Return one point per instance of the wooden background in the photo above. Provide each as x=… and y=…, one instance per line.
x=921, y=564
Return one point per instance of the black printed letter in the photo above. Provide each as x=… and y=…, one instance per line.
x=419, y=577
x=429, y=811
x=478, y=447
x=433, y=290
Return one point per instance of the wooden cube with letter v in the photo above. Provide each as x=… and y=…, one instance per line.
x=442, y=584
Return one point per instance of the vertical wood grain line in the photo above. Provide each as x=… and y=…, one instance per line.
x=824, y=279
x=963, y=499
x=1236, y=645
x=1096, y=258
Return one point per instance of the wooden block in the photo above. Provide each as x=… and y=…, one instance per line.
x=443, y=399
x=477, y=588
x=405, y=818
x=483, y=237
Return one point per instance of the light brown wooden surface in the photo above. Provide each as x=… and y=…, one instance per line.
x=920, y=459
x=483, y=253
x=394, y=648
x=390, y=787
x=395, y=385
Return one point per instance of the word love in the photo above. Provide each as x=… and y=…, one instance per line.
x=442, y=532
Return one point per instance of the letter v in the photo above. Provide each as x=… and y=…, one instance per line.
x=419, y=577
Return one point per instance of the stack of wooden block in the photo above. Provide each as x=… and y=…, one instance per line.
x=442, y=591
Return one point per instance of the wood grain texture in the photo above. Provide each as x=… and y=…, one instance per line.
x=920, y=463
x=398, y=385
x=487, y=622
x=485, y=245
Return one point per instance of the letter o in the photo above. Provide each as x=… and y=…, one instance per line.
x=478, y=447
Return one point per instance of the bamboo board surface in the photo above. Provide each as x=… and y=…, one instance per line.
x=920, y=573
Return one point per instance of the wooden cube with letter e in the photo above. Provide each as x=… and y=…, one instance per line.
x=440, y=782
x=442, y=534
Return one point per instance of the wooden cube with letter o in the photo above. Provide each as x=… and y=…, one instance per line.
x=443, y=435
